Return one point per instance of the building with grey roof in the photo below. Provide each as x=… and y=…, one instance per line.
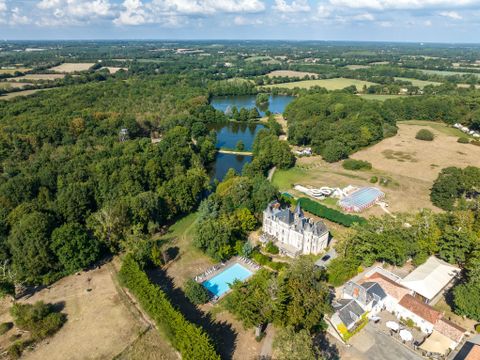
x=292, y=232
x=369, y=295
x=347, y=312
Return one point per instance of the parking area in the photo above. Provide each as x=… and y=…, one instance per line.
x=373, y=344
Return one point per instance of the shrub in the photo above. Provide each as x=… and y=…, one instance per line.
x=373, y=179
x=277, y=265
x=475, y=142
x=196, y=293
x=6, y=288
x=271, y=248
x=5, y=327
x=425, y=135
x=329, y=214
x=189, y=339
x=260, y=258
x=463, y=140
x=477, y=328
x=15, y=350
x=40, y=319
x=352, y=164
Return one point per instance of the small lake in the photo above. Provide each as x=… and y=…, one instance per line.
x=276, y=104
x=228, y=134
x=223, y=162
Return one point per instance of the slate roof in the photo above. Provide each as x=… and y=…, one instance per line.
x=348, y=311
x=425, y=311
x=364, y=293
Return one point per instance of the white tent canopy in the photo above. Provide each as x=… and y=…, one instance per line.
x=392, y=325
x=406, y=335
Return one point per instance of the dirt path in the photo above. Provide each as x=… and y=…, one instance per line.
x=223, y=151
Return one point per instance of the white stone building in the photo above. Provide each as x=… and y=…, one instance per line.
x=294, y=233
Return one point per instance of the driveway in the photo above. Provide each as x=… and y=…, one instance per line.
x=371, y=344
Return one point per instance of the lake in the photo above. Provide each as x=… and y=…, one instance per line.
x=228, y=134
x=276, y=104
x=223, y=162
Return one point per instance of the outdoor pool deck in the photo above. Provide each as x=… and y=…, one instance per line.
x=218, y=278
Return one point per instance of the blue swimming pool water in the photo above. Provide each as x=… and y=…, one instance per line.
x=362, y=197
x=220, y=283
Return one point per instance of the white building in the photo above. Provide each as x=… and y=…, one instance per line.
x=431, y=279
x=293, y=233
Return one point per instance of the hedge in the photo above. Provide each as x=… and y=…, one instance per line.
x=329, y=214
x=352, y=164
x=189, y=339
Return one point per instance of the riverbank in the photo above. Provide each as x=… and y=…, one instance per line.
x=235, y=152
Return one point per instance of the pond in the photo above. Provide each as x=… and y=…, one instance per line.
x=276, y=104
x=223, y=162
x=228, y=134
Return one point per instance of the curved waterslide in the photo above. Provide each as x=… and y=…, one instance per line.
x=321, y=192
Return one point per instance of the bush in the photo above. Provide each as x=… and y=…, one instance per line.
x=352, y=164
x=260, y=258
x=15, y=350
x=40, y=319
x=196, y=293
x=6, y=288
x=475, y=142
x=463, y=140
x=425, y=135
x=271, y=248
x=329, y=214
x=477, y=328
x=373, y=179
x=189, y=339
x=5, y=327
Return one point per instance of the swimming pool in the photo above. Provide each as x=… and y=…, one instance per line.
x=220, y=284
x=361, y=199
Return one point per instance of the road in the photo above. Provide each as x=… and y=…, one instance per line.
x=371, y=344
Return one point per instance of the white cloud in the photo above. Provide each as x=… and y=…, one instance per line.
x=205, y=7
x=451, y=14
x=294, y=7
x=49, y=4
x=243, y=20
x=17, y=18
x=364, y=17
x=81, y=9
x=385, y=24
x=427, y=23
x=402, y=4
x=133, y=14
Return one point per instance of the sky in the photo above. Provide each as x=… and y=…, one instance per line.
x=442, y=21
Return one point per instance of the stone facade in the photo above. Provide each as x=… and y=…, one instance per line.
x=294, y=233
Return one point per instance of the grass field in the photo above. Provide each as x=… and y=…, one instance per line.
x=39, y=77
x=329, y=84
x=290, y=73
x=112, y=69
x=259, y=58
x=357, y=67
x=71, y=67
x=15, y=94
x=379, y=97
x=409, y=165
x=420, y=83
x=13, y=71
x=13, y=85
x=446, y=73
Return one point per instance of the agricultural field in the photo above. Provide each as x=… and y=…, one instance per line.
x=447, y=73
x=99, y=324
x=357, y=67
x=329, y=84
x=420, y=83
x=13, y=85
x=290, y=73
x=36, y=77
x=13, y=71
x=410, y=166
x=15, y=94
x=71, y=67
x=112, y=69
x=379, y=97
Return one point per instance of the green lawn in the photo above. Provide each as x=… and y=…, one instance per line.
x=329, y=84
x=284, y=179
x=446, y=73
x=420, y=83
x=379, y=97
x=441, y=127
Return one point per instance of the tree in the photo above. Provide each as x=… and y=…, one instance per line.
x=29, y=243
x=293, y=345
x=195, y=292
x=240, y=145
x=73, y=246
x=334, y=151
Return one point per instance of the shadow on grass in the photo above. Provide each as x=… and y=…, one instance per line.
x=222, y=334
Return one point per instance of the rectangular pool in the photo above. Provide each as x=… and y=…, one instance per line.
x=220, y=283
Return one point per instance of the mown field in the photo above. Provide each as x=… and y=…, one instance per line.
x=379, y=97
x=420, y=83
x=13, y=71
x=329, y=84
x=71, y=67
x=446, y=73
x=290, y=73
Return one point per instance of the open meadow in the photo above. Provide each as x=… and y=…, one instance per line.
x=13, y=71
x=38, y=77
x=409, y=167
x=100, y=322
x=290, y=73
x=420, y=83
x=13, y=85
x=15, y=94
x=71, y=67
x=379, y=97
x=329, y=84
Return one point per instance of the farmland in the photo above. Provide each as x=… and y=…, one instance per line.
x=290, y=73
x=447, y=73
x=357, y=67
x=15, y=94
x=13, y=71
x=36, y=77
x=379, y=97
x=420, y=83
x=13, y=85
x=329, y=84
x=72, y=67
